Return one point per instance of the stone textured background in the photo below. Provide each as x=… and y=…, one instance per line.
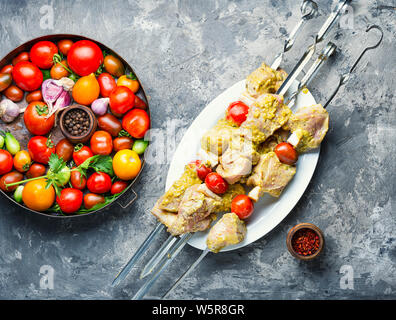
x=186, y=53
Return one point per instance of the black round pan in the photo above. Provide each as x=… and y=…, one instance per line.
x=20, y=132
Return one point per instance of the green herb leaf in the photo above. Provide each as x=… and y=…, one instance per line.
x=55, y=163
x=99, y=163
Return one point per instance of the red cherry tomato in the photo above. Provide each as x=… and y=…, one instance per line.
x=70, y=200
x=237, y=112
x=13, y=93
x=106, y=84
x=81, y=153
x=84, y=57
x=77, y=180
x=27, y=76
x=216, y=183
x=40, y=149
x=7, y=69
x=242, y=206
x=36, y=170
x=64, y=46
x=122, y=99
x=118, y=186
x=8, y=178
x=202, y=170
x=110, y=123
x=6, y=162
x=42, y=54
x=64, y=149
x=101, y=143
x=99, y=182
x=92, y=199
x=136, y=122
x=139, y=103
x=286, y=153
x=35, y=117
x=23, y=56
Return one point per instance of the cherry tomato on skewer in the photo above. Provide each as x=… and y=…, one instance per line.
x=242, y=206
x=237, y=112
x=216, y=183
x=286, y=153
x=202, y=170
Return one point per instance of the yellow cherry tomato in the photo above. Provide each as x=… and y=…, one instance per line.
x=22, y=161
x=128, y=81
x=86, y=90
x=36, y=196
x=126, y=164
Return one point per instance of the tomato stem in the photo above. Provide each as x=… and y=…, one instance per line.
x=26, y=180
x=58, y=59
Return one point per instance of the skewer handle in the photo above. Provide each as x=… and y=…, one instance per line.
x=187, y=272
x=313, y=70
x=135, y=258
x=175, y=250
x=309, y=9
x=151, y=265
x=331, y=19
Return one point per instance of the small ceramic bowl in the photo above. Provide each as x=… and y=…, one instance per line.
x=291, y=234
x=92, y=125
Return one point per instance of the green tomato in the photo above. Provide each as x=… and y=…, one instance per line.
x=18, y=194
x=11, y=143
x=1, y=142
x=60, y=178
x=140, y=146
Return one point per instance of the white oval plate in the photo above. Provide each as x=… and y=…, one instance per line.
x=268, y=211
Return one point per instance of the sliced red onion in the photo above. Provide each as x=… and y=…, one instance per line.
x=51, y=91
x=63, y=101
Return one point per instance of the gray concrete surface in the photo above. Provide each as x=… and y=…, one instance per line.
x=186, y=53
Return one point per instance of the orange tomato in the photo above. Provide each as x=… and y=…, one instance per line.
x=58, y=71
x=129, y=82
x=86, y=90
x=126, y=164
x=36, y=196
x=22, y=161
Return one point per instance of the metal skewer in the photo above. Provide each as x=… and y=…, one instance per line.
x=158, y=256
x=163, y=259
x=139, y=253
x=187, y=272
x=344, y=78
x=328, y=51
x=154, y=262
x=309, y=10
x=312, y=48
x=164, y=262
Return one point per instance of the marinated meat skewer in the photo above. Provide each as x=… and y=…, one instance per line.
x=343, y=80
x=229, y=230
x=328, y=24
x=160, y=261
